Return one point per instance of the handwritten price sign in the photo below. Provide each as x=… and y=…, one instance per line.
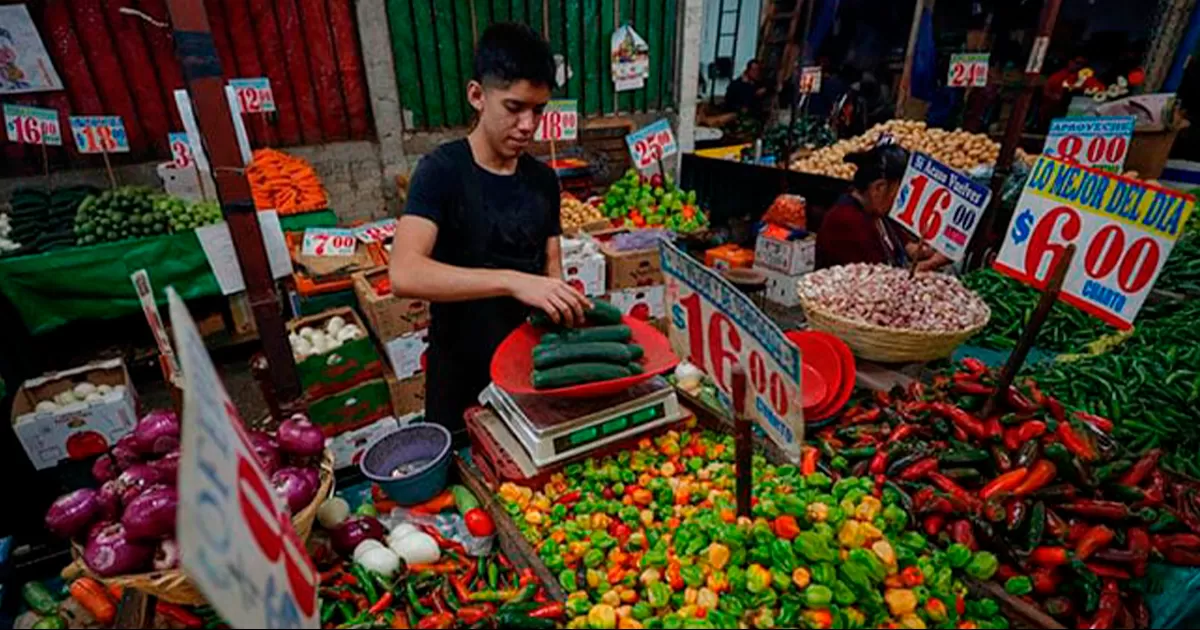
x=99, y=134
x=968, y=69
x=560, y=121
x=1123, y=229
x=1098, y=141
x=716, y=326
x=329, y=242
x=810, y=79
x=181, y=150
x=949, y=205
x=254, y=95
x=376, y=232
x=32, y=125
x=236, y=540
x=651, y=143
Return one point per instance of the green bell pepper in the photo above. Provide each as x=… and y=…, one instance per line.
x=693, y=576
x=593, y=558
x=783, y=558
x=764, y=600
x=857, y=577
x=642, y=611
x=1018, y=585
x=721, y=619
x=792, y=504
x=868, y=560
x=658, y=594
x=737, y=579
x=895, y=517
x=817, y=596
x=733, y=604
x=672, y=621
x=842, y=593
x=578, y=604
x=823, y=573
x=982, y=566
x=958, y=555
x=781, y=581
x=818, y=480
x=567, y=578
x=789, y=612
x=758, y=579
x=654, y=558
x=813, y=547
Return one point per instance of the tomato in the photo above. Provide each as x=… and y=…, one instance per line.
x=85, y=444
x=479, y=523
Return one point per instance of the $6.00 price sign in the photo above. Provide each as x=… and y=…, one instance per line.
x=950, y=205
x=329, y=242
x=1123, y=228
x=716, y=326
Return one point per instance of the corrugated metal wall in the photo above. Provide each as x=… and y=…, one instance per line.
x=112, y=63
x=433, y=42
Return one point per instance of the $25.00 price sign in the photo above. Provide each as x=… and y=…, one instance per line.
x=717, y=327
x=254, y=95
x=329, y=242
x=950, y=205
x=1098, y=141
x=236, y=540
x=560, y=121
x=651, y=143
x=1123, y=229
x=99, y=134
x=32, y=125
x=968, y=70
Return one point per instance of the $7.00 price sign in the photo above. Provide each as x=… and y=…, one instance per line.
x=968, y=69
x=950, y=203
x=254, y=95
x=99, y=134
x=716, y=326
x=560, y=121
x=1123, y=228
x=651, y=143
x=329, y=242
x=236, y=540
x=32, y=125
x=1098, y=141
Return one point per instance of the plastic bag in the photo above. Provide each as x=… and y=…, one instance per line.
x=788, y=210
x=449, y=524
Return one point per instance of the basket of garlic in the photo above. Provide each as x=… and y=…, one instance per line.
x=885, y=315
x=332, y=351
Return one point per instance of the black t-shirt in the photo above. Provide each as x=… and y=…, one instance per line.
x=741, y=95
x=485, y=221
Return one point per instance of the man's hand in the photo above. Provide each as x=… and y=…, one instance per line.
x=558, y=299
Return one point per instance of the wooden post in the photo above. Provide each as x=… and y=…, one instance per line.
x=45, y=165
x=906, y=75
x=743, y=442
x=112, y=177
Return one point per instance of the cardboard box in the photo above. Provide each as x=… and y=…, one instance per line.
x=406, y=353
x=781, y=288
x=389, y=316
x=792, y=258
x=348, y=447
x=408, y=396
x=644, y=303
x=352, y=408
x=336, y=371
x=78, y=430
x=586, y=273
x=729, y=256
x=628, y=270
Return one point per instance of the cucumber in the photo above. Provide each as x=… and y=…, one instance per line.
x=546, y=356
x=619, y=333
x=464, y=499
x=601, y=314
x=577, y=374
x=635, y=368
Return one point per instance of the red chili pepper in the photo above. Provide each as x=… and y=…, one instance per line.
x=1005, y=571
x=1004, y=483
x=1050, y=556
x=470, y=615
x=1139, y=549
x=1162, y=542
x=1108, y=571
x=921, y=497
x=947, y=485
x=1017, y=401
x=1078, y=530
x=933, y=524
x=962, y=532
x=552, y=610
x=975, y=366
x=879, y=462
x=1141, y=469
x=809, y=456
x=178, y=614
x=1057, y=411
x=570, y=498
x=1182, y=557
x=971, y=425
x=436, y=621
x=919, y=469
x=883, y=398
x=1012, y=438
x=1104, y=510
x=1042, y=473
x=960, y=605
x=1110, y=605
x=1095, y=538
x=1156, y=493
x=1078, y=444
x=903, y=432
x=1035, y=392
x=915, y=390
x=1102, y=423
x=1030, y=430
x=993, y=427
x=1045, y=580
x=1056, y=526
x=381, y=604
x=971, y=388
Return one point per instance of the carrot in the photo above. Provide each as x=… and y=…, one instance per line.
x=443, y=501
x=91, y=595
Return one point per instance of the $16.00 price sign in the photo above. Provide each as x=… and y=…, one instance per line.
x=968, y=70
x=236, y=540
x=560, y=121
x=1123, y=229
x=329, y=242
x=32, y=125
x=940, y=205
x=99, y=134
x=1099, y=141
x=717, y=327
x=651, y=143
x=254, y=95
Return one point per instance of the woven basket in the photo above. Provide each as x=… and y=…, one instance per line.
x=888, y=345
x=173, y=586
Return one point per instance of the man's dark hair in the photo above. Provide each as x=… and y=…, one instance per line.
x=751, y=63
x=508, y=52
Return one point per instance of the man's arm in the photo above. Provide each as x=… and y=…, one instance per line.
x=554, y=257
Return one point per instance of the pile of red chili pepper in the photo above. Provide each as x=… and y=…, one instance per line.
x=1073, y=517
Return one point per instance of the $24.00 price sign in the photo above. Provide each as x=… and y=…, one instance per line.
x=1098, y=141
x=329, y=242
x=1123, y=229
x=236, y=540
x=949, y=204
x=968, y=70
x=254, y=95
x=181, y=149
x=717, y=327
x=32, y=125
x=560, y=121
x=651, y=143
x=99, y=134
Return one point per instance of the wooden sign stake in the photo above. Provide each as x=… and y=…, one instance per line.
x=743, y=444
x=112, y=177
x=1029, y=334
x=46, y=166
x=553, y=159
x=912, y=265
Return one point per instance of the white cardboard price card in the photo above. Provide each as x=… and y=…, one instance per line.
x=968, y=69
x=377, y=231
x=181, y=149
x=1098, y=141
x=236, y=540
x=1123, y=230
x=560, y=121
x=810, y=79
x=651, y=143
x=716, y=326
x=32, y=125
x=939, y=205
x=99, y=134
x=254, y=95
x=329, y=242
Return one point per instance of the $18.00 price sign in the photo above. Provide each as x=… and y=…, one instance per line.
x=329, y=242
x=968, y=70
x=717, y=327
x=236, y=540
x=32, y=125
x=1099, y=141
x=1123, y=229
x=99, y=134
x=560, y=121
x=377, y=231
x=940, y=205
x=651, y=143
x=254, y=95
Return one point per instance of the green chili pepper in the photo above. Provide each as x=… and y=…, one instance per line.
x=364, y=581
x=1018, y=585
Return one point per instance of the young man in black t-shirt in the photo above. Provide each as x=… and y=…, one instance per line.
x=479, y=234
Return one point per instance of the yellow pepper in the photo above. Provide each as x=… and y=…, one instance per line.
x=629, y=596
x=509, y=491
x=602, y=616
x=593, y=578
x=600, y=521
x=650, y=576
x=801, y=577
x=707, y=598
x=900, y=601
x=883, y=549
x=717, y=582
x=533, y=517
x=611, y=597
x=817, y=512
x=912, y=621
x=629, y=622
x=850, y=535
x=668, y=469
x=541, y=502
x=868, y=508
x=718, y=556
x=869, y=533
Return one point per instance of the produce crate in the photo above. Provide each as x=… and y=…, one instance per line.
x=354, y=362
x=389, y=316
x=353, y=408
x=369, y=256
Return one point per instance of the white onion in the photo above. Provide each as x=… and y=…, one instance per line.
x=82, y=390
x=334, y=324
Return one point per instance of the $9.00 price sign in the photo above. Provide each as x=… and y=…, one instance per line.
x=181, y=149
x=968, y=70
x=236, y=540
x=651, y=143
x=254, y=95
x=716, y=326
x=1123, y=229
x=376, y=231
x=329, y=242
x=32, y=125
x=949, y=203
x=1098, y=141
x=560, y=121
x=99, y=134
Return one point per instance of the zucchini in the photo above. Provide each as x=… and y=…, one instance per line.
x=546, y=356
x=619, y=333
x=601, y=314
x=464, y=499
x=577, y=374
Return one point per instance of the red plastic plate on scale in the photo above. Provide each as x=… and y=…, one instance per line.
x=513, y=363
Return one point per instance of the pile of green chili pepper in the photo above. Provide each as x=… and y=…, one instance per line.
x=1181, y=273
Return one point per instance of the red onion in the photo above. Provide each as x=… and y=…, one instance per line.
x=167, y=467
x=157, y=432
x=71, y=513
x=109, y=498
x=104, y=469
x=296, y=486
x=152, y=514
x=355, y=530
x=301, y=438
x=109, y=552
x=134, y=480
x=266, y=450
x=166, y=556
x=125, y=453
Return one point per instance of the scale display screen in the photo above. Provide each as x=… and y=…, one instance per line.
x=609, y=428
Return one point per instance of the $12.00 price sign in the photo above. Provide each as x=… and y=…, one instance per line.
x=651, y=143
x=1123, y=229
x=377, y=231
x=949, y=202
x=181, y=149
x=236, y=540
x=968, y=70
x=717, y=327
x=99, y=134
x=1098, y=141
x=329, y=242
x=560, y=121
x=254, y=95
x=32, y=125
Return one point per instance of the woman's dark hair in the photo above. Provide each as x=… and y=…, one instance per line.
x=509, y=52
x=886, y=161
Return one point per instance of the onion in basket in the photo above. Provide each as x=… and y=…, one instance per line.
x=886, y=296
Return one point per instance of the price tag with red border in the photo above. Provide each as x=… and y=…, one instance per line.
x=651, y=143
x=181, y=149
x=32, y=125
x=1123, y=230
x=254, y=95
x=99, y=134
x=1098, y=141
x=968, y=70
x=329, y=242
x=716, y=326
x=560, y=121
x=810, y=79
x=377, y=231
x=949, y=203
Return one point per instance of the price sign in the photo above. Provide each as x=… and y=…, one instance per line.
x=939, y=205
x=1099, y=141
x=99, y=134
x=181, y=149
x=329, y=242
x=376, y=232
x=968, y=69
x=254, y=95
x=560, y=121
x=236, y=540
x=651, y=143
x=810, y=79
x=1123, y=229
x=716, y=326
x=32, y=125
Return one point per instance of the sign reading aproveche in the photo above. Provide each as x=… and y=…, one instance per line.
x=651, y=143
x=950, y=205
x=1098, y=141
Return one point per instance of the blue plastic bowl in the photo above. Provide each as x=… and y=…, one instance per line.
x=416, y=442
